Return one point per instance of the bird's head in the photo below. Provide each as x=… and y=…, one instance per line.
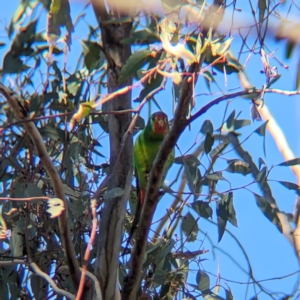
x=158, y=123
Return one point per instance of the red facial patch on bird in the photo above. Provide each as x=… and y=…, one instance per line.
x=160, y=124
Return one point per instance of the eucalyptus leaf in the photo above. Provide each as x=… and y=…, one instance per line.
x=113, y=193
x=291, y=186
x=208, y=142
x=238, y=166
x=289, y=163
x=189, y=227
x=268, y=210
x=219, y=149
x=203, y=281
x=202, y=208
x=135, y=62
x=207, y=126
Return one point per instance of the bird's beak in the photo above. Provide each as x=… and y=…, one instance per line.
x=161, y=123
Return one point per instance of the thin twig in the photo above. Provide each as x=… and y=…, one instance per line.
x=21, y=114
x=37, y=271
x=88, y=249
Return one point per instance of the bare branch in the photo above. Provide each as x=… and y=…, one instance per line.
x=88, y=249
x=59, y=291
x=120, y=140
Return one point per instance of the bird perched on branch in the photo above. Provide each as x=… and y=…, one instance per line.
x=145, y=149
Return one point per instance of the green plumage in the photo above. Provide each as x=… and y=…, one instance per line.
x=146, y=148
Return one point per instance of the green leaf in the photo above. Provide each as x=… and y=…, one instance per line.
x=17, y=241
x=238, y=166
x=93, y=55
x=255, y=115
x=59, y=16
x=225, y=212
x=289, y=163
x=33, y=190
x=198, y=186
x=231, y=65
x=15, y=291
x=17, y=17
x=36, y=281
x=261, y=176
x=142, y=37
x=230, y=210
x=154, y=83
x=207, y=126
x=193, y=177
x=262, y=5
x=219, y=149
x=102, y=120
x=113, y=193
x=208, y=142
x=13, y=64
x=209, y=78
x=230, y=120
x=261, y=130
x=4, y=293
x=21, y=45
x=268, y=211
x=291, y=186
x=139, y=124
x=189, y=160
x=203, y=282
x=202, y=208
x=222, y=214
x=135, y=62
x=261, y=162
x=231, y=124
x=189, y=227
x=215, y=176
x=241, y=123
x=175, y=92
x=229, y=295
x=56, y=134
x=297, y=82
x=166, y=249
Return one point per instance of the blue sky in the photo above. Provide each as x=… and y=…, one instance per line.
x=270, y=254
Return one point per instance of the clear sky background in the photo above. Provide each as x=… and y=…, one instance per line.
x=271, y=256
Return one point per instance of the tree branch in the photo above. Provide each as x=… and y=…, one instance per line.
x=120, y=175
x=37, y=271
x=152, y=192
x=21, y=114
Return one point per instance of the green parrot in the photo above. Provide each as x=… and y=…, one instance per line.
x=145, y=150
